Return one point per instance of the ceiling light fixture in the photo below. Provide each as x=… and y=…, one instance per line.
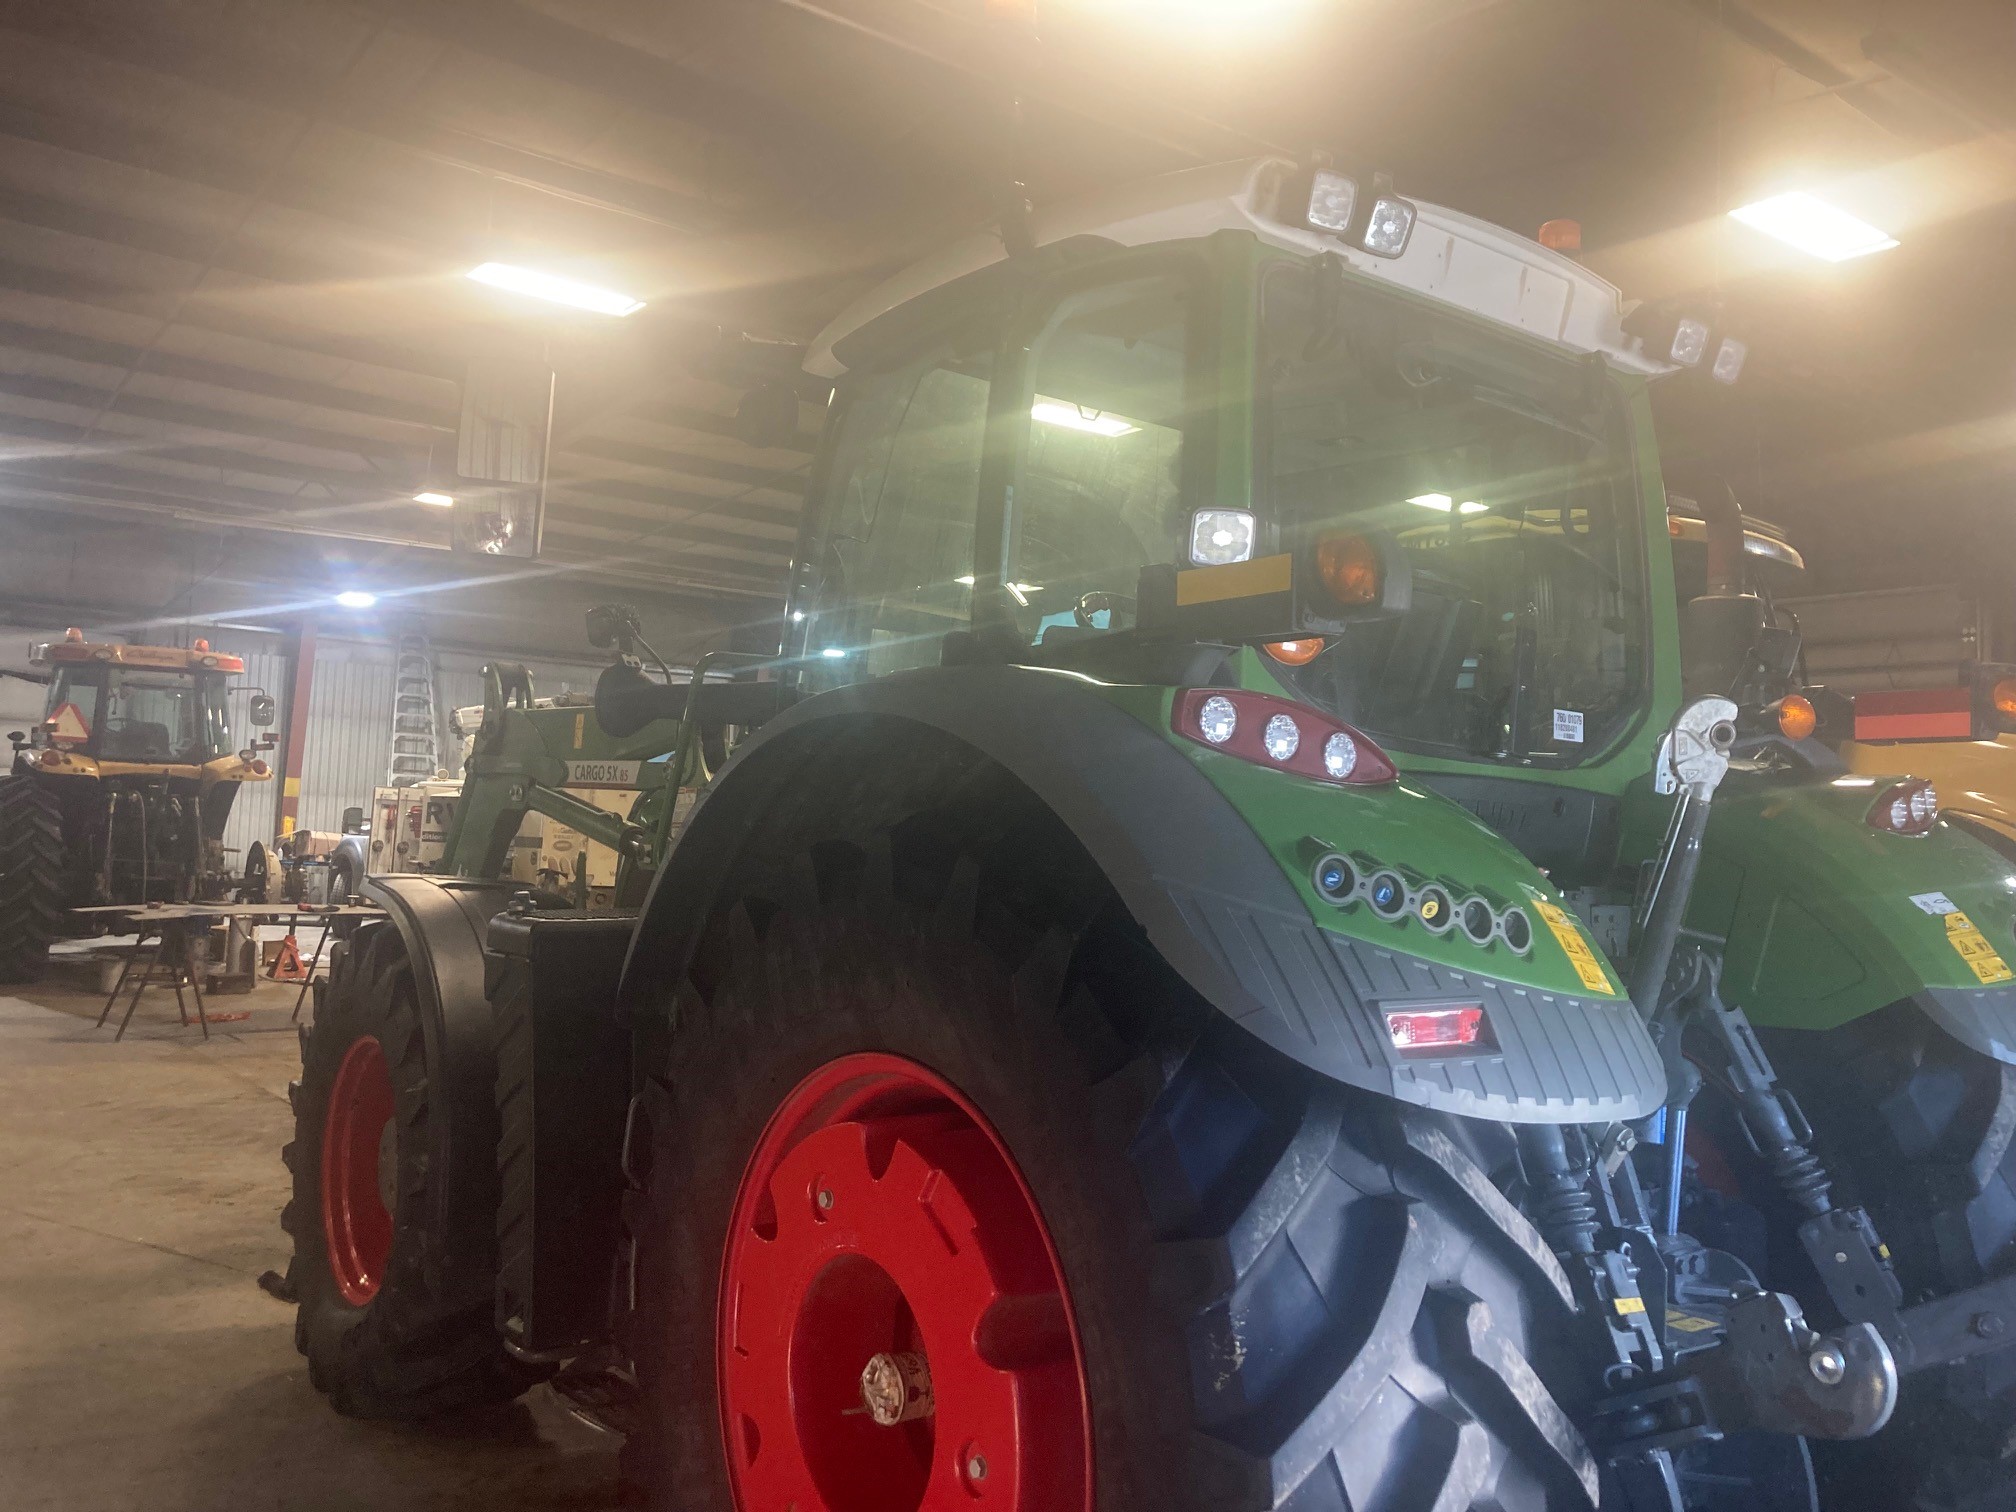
x=439, y=500
x=1815, y=227
x=356, y=598
x=550, y=286
x=1439, y=501
x=1077, y=417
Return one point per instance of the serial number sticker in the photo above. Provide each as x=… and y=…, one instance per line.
x=1688, y=1322
x=608, y=774
x=1975, y=950
x=1568, y=725
x=1580, y=956
x=1935, y=903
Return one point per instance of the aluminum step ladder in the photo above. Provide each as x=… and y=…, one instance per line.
x=416, y=723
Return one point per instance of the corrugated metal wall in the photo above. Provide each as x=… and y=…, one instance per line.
x=350, y=718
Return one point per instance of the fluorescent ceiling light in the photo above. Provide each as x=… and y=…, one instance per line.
x=356, y=598
x=429, y=496
x=1433, y=501
x=966, y=581
x=1077, y=417
x=1471, y=506
x=833, y=653
x=1815, y=227
x=566, y=291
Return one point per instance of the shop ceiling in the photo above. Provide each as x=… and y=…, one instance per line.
x=233, y=236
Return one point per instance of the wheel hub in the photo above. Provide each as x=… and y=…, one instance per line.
x=359, y=1172
x=882, y=1219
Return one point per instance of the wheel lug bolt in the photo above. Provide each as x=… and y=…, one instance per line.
x=976, y=1467
x=825, y=1199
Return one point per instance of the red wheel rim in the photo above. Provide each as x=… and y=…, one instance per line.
x=882, y=1226
x=356, y=1214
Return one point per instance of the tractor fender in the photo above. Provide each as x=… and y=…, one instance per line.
x=1193, y=874
x=443, y=922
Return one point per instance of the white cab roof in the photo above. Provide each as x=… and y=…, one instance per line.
x=1452, y=257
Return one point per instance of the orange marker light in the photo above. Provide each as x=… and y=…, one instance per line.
x=1562, y=235
x=2005, y=697
x=1296, y=653
x=1796, y=717
x=1349, y=567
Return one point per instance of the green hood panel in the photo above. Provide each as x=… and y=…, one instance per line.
x=1828, y=919
x=1411, y=830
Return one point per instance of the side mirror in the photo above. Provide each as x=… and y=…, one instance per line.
x=263, y=709
x=353, y=820
x=613, y=625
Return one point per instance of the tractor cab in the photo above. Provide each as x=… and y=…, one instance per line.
x=136, y=705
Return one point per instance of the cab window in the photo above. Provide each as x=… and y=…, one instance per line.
x=1100, y=492
x=894, y=551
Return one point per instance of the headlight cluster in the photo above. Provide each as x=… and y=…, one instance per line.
x=1345, y=882
x=1908, y=808
x=1274, y=732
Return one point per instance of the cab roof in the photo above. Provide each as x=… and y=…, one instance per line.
x=1452, y=257
x=73, y=649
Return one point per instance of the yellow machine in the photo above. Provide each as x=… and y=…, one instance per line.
x=1921, y=690
x=120, y=793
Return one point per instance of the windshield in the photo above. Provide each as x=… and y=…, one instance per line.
x=1503, y=475
x=125, y=714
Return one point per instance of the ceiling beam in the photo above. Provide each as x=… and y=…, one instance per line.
x=684, y=462
x=712, y=423
x=215, y=422
x=224, y=375
x=220, y=61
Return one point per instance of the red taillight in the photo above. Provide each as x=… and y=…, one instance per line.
x=1418, y=1029
x=1349, y=567
x=1276, y=732
x=1908, y=808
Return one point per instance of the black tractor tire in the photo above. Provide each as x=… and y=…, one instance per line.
x=342, y=881
x=1921, y=1130
x=31, y=877
x=426, y=1342
x=1290, y=1294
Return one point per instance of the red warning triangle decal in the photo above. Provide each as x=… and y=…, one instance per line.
x=68, y=723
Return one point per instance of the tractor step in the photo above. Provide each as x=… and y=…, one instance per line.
x=600, y=1393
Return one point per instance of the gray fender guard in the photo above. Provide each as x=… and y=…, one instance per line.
x=443, y=922
x=1201, y=884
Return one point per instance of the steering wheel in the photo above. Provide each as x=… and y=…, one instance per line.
x=1099, y=601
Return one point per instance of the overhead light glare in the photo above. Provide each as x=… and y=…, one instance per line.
x=1815, y=227
x=1471, y=506
x=439, y=500
x=550, y=286
x=1077, y=417
x=1439, y=501
x=356, y=598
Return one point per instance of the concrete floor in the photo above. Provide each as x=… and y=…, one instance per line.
x=141, y=1367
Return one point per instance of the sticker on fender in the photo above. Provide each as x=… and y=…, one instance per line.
x=1580, y=956
x=1975, y=950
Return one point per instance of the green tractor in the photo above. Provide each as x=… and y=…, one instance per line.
x=1129, y=1026
x=121, y=793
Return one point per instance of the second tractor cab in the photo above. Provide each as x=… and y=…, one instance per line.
x=121, y=793
x=1116, y=1034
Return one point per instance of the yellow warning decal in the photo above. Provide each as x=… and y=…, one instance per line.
x=1212, y=585
x=1688, y=1322
x=1630, y=1304
x=1580, y=956
x=1975, y=950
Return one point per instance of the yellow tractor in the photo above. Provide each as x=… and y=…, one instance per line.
x=120, y=794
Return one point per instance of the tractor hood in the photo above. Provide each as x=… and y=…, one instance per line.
x=1827, y=918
